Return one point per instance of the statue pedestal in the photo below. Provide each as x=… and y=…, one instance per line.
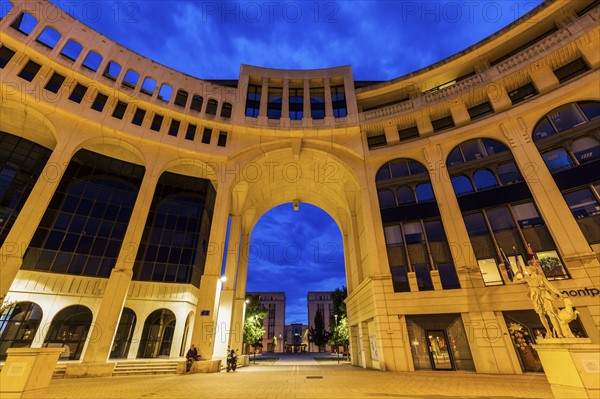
x=572, y=366
x=27, y=372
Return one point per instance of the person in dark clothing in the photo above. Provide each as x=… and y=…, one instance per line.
x=191, y=356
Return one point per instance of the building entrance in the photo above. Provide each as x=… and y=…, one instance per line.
x=440, y=356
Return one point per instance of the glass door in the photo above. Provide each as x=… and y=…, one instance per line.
x=439, y=350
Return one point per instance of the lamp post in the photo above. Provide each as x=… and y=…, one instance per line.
x=336, y=342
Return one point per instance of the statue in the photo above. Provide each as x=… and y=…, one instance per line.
x=542, y=294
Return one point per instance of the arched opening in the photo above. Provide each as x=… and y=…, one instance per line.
x=157, y=336
x=69, y=329
x=295, y=261
x=123, y=335
x=186, y=330
x=18, y=325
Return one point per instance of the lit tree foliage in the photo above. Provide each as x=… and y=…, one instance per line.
x=253, y=322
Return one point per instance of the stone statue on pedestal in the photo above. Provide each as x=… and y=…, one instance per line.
x=543, y=294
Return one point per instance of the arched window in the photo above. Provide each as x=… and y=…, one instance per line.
x=123, y=335
x=474, y=149
x=211, y=107
x=591, y=109
x=508, y=173
x=92, y=61
x=148, y=86
x=49, y=37
x=462, y=185
x=5, y=9
x=18, y=325
x=25, y=23
x=165, y=92
x=424, y=192
x=71, y=50
x=131, y=78
x=484, y=178
x=226, y=110
x=196, y=103
x=565, y=117
x=181, y=98
x=112, y=71
x=386, y=198
x=405, y=195
x=69, y=329
x=186, y=329
x=157, y=336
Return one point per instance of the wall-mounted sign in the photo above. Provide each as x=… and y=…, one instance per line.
x=582, y=292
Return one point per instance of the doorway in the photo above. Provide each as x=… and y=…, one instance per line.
x=438, y=344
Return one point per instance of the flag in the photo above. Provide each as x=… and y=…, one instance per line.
x=506, y=265
x=531, y=256
x=519, y=267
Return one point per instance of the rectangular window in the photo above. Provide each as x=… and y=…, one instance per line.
x=552, y=265
x=338, y=101
x=78, y=93
x=424, y=281
x=222, y=142
x=571, y=70
x=400, y=279
x=376, y=141
x=522, y=93
x=99, y=102
x=317, y=103
x=119, y=110
x=296, y=104
x=5, y=56
x=527, y=215
x=481, y=110
x=29, y=71
x=408, y=133
x=253, y=101
x=442, y=123
x=206, y=135
x=138, y=117
x=274, y=102
x=190, y=133
x=582, y=203
x=413, y=233
x=174, y=128
x=54, y=83
x=156, y=122
x=448, y=276
x=393, y=235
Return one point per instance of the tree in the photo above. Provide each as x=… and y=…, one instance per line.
x=340, y=334
x=253, y=322
x=317, y=334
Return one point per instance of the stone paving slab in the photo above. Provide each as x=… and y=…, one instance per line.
x=297, y=381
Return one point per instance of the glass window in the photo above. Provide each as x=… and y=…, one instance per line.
x=211, y=107
x=500, y=219
x=557, y=159
x=489, y=272
x=566, y=117
x=473, y=150
x=448, y=276
x=544, y=128
x=296, y=97
x=386, y=198
x=591, y=109
x=181, y=98
x=462, y=185
x=493, y=147
x=425, y=192
x=383, y=173
x=527, y=215
x=317, y=102
x=586, y=149
x=400, y=279
x=435, y=231
x=405, y=195
x=424, y=281
x=413, y=233
x=399, y=168
x=509, y=173
x=393, y=235
x=582, y=203
x=552, y=265
x=415, y=167
x=475, y=224
x=455, y=157
x=226, y=110
x=196, y=104
x=484, y=178
x=274, y=102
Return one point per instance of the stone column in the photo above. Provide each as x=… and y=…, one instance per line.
x=327, y=97
x=203, y=332
x=285, y=103
x=20, y=235
x=239, y=308
x=264, y=99
x=113, y=298
x=306, y=116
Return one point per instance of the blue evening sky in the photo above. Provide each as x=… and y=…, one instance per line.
x=297, y=251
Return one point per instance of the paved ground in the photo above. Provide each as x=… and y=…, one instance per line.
x=302, y=377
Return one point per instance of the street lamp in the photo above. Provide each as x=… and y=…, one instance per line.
x=336, y=342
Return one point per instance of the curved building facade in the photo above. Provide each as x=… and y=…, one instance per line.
x=118, y=177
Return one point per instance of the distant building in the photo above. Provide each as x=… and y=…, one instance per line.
x=274, y=323
x=296, y=338
x=319, y=301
